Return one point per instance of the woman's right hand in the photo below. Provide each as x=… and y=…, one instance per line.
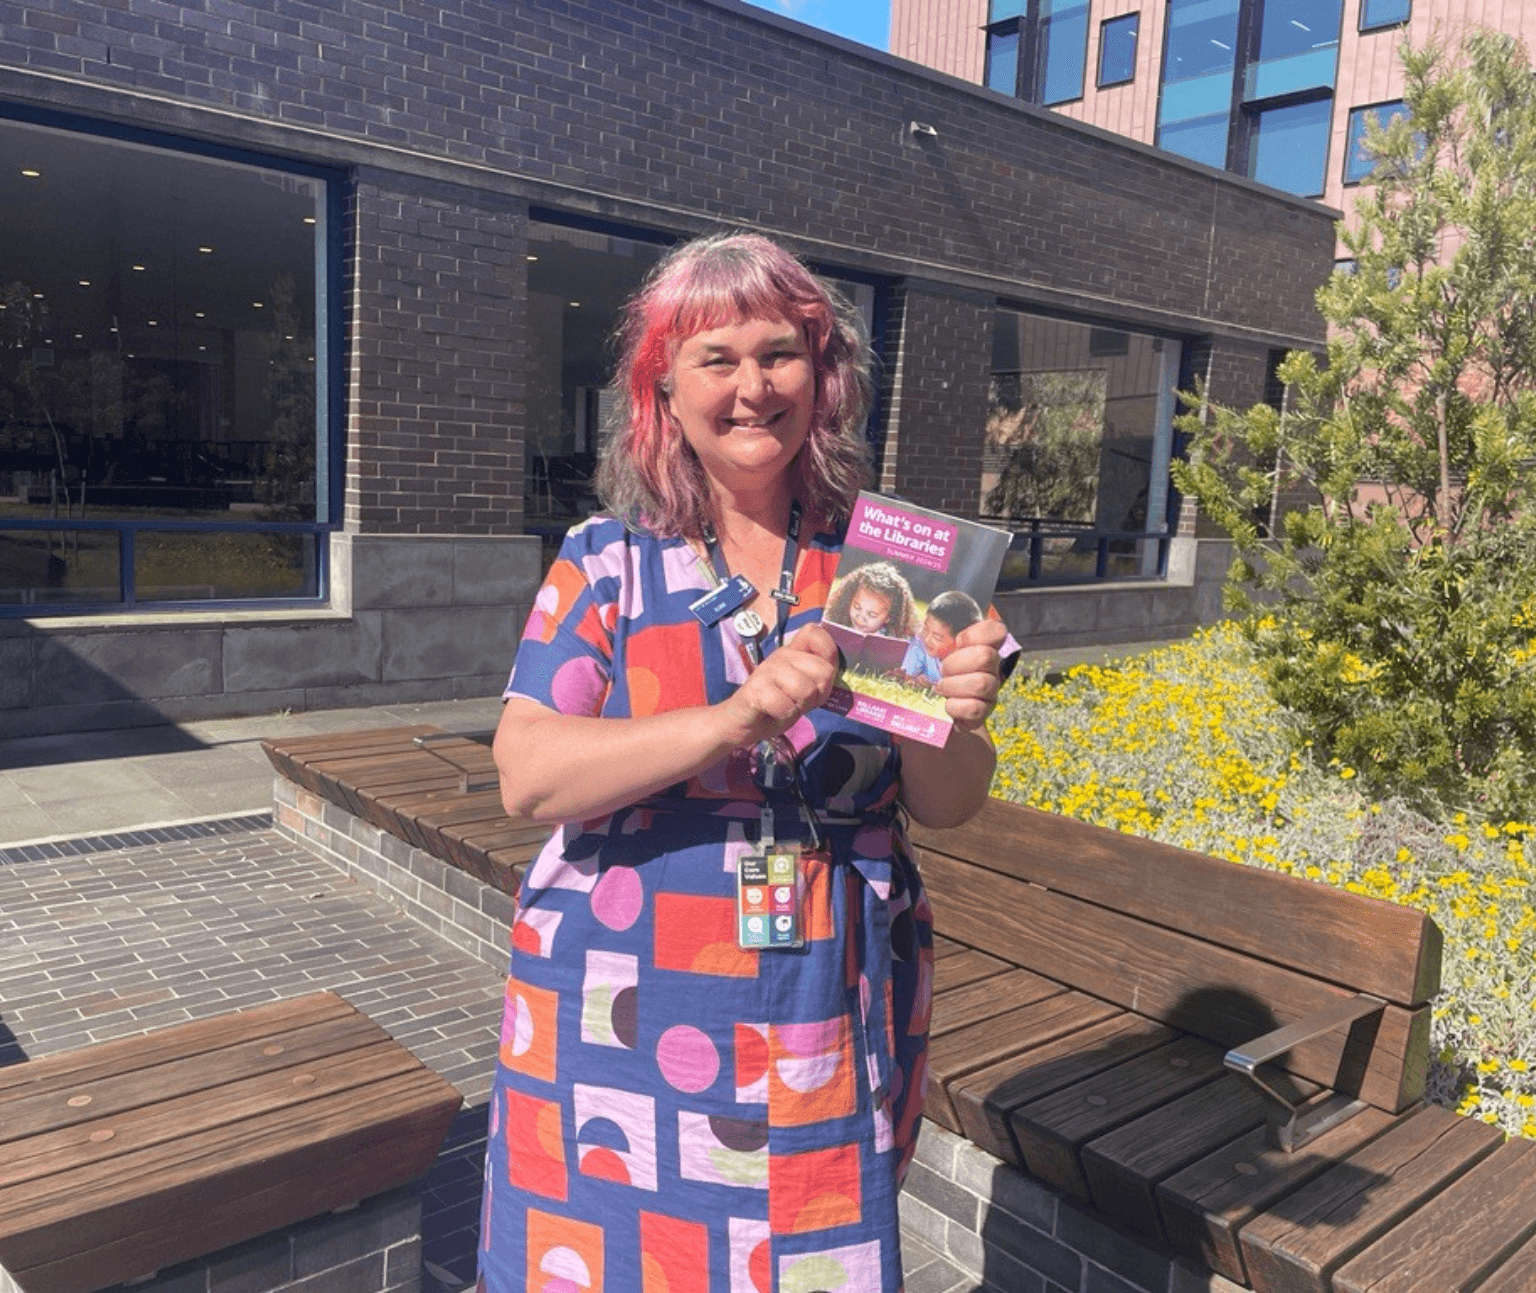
x=789, y=683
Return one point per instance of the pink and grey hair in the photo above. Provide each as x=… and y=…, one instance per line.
x=649, y=476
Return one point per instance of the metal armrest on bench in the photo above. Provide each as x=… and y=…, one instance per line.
x=1293, y=1124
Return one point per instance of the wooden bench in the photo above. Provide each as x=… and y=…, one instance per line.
x=1092, y=989
x=1226, y=1062
x=129, y=1156
x=430, y=788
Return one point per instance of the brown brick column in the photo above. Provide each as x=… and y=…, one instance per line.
x=940, y=362
x=436, y=367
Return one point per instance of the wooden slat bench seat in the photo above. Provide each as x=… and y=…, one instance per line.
x=430, y=788
x=1095, y=995
x=129, y=1156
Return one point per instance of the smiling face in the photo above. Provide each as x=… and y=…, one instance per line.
x=868, y=611
x=938, y=638
x=742, y=396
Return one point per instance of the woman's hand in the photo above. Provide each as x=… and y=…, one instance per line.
x=946, y=786
x=789, y=683
x=973, y=674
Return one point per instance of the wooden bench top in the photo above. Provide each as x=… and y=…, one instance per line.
x=1087, y=987
x=430, y=788
x=128, y=1156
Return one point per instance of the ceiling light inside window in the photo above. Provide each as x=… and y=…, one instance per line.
x=138, y=269
x=31, y=174
x=206, y=251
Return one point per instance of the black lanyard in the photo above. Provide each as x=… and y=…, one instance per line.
x=783, y=594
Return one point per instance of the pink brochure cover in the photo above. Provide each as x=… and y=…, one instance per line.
x=903, y=558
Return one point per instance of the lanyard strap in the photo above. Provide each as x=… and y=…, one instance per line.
x=784, y=593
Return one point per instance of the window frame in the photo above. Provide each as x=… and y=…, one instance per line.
x=1104, y=25
x=1366, y=27
x=1354, y=138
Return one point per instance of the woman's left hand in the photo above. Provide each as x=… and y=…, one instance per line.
x=972, y=674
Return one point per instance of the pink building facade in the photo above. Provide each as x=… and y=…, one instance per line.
x=1272, y=89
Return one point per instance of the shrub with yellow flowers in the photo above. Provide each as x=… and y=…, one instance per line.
x=1185, y=745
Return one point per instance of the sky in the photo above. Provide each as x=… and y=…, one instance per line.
x=866, y=21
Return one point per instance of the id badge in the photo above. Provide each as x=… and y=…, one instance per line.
x=768, y=899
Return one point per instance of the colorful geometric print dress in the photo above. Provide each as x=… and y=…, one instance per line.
x=672, y=1114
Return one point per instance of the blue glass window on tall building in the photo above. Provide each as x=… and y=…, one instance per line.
x=1358, y=164
x=1288, y=147
x=1298, y=49
x=1375, y=14
x=1063, y=50
x=1003, y=61
x=1117, y=49
x=1199, y=63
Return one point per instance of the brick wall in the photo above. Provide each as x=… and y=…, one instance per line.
x=436, y=382
x=455, y=119
x=939, y=379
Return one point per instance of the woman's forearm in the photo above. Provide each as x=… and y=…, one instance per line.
x=561, y=768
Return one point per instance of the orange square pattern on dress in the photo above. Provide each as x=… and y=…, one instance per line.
x=674, y=1255
x=698, y=935
x=562, y=586
x=564, y=1256
x=535, y=1146
x=814, y=1191
x=528, y=1042
x=664, y=668
x=810, y=1072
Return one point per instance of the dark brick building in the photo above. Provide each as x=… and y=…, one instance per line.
x=306, y=307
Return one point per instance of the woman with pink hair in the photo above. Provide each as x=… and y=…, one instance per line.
x=712, y=1057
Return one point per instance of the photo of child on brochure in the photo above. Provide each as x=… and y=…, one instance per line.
x=909, y=582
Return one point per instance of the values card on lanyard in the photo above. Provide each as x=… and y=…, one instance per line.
x=768, y=899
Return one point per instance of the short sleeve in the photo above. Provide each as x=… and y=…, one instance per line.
x=565, y=658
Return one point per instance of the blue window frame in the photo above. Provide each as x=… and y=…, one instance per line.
x=170, y=395
x=1376, y=14
x=1288, y=147
x=1358, y=164
x=1117, y=49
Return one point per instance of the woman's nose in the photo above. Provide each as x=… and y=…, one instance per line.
x=753, y=381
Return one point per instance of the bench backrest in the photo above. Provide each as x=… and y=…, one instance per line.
x=1223, y=951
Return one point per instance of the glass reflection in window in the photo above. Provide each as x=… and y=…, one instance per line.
x=1117, y=49
x=1077, y=440
x=1289, y=146
x=159, y=361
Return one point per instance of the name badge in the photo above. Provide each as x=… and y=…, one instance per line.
x=725, y=600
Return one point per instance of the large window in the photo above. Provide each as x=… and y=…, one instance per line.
x=1358, y=164
x=1288, y=146
x=1063, y=50
x=164, y=429
x=1117, y=49
x=1199, y=63
x=1077, y=447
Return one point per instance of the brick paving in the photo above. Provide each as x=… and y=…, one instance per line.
x=119, y=935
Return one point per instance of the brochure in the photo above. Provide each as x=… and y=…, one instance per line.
x=909, y=581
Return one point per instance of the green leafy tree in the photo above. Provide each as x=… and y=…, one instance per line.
x=1393, y=593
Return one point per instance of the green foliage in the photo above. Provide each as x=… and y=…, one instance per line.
x=1384, y=519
